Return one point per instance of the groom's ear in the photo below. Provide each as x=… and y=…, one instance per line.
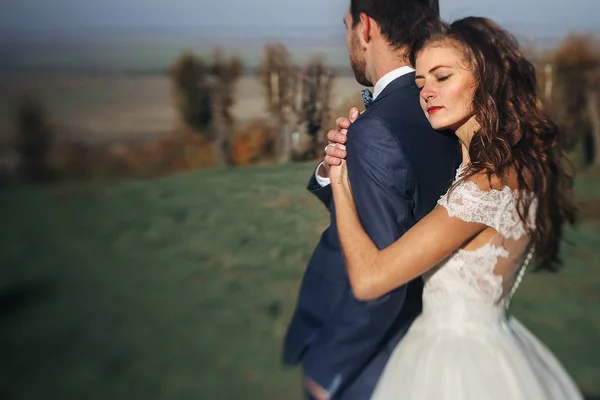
x=365, y=27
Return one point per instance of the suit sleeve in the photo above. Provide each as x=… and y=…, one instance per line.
x=323, y=193
x=382, y=189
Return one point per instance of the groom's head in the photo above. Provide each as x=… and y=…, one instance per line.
x=376, y=26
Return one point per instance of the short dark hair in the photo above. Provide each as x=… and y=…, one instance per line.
x=396, y=18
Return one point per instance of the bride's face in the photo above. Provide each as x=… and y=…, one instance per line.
x=447, y=85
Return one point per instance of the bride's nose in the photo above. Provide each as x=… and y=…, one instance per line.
x=427, y=93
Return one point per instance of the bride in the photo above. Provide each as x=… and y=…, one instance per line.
x=507, y=205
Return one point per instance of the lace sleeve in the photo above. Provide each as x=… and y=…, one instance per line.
x=494, y=208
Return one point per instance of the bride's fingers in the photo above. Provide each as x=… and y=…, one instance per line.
x=337, y=146
x=336, y=150
x=342, y=123
x=333, y=161
x=335, y=136
x=354, y=113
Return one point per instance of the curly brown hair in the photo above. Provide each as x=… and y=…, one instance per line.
x=516, y=136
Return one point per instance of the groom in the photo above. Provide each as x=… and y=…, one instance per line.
x=399, y=167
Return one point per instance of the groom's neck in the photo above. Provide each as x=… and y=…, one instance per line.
x=387, y=61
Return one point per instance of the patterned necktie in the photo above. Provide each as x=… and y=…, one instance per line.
x=367, y=97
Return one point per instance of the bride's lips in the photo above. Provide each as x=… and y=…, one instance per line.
x=433, y=110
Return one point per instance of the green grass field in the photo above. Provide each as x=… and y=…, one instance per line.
x=182, y=287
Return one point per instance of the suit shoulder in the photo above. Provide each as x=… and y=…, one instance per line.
x=402, y=103
x=370, y=128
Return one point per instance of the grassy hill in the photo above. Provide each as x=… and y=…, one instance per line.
x=182, y=287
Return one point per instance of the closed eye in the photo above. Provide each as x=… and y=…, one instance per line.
x=420, y=79
x=443, y=78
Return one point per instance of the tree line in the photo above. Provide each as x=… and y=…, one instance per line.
x=298, y=99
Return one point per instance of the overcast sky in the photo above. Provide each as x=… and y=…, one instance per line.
x=559, y=15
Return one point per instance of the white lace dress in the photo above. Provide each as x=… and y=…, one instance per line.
x=464, y=346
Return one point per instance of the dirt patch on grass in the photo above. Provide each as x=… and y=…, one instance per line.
x=589, y=210
x=286, y=201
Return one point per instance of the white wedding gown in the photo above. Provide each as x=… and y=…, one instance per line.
x=464, y=346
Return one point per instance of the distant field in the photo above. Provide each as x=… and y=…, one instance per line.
x=154, y=53
x=109, y=107
x=182, y=287
x=107, y=87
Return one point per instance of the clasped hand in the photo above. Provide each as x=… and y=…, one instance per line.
x=334, y=163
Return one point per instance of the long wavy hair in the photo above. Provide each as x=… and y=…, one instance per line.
x=516, y=136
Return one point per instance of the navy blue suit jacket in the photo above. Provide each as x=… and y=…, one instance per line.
x=399, y=167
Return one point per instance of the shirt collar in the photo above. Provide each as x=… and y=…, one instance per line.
x=389, y=77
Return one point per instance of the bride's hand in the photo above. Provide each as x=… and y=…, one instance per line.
x=335, y=151
x=339, y=179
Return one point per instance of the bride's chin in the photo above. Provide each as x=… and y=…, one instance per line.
x=439, y=126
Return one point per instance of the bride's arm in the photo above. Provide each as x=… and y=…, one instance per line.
x=373, y=272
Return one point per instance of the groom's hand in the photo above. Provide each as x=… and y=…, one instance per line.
x=336, y=149
x=315, y=390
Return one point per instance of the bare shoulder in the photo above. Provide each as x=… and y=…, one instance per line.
x=487, y=182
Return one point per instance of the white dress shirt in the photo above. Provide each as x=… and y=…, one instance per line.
x=379, y=86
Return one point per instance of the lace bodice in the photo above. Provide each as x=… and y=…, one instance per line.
x=475, y=285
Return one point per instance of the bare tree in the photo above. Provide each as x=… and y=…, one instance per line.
x=593, y=111
x=574, y=96
x=280, y=79
x=317, y=83
x=226, y=73
x=192, y=91
x=33, y=138
x=299, y=99
x=204, y=95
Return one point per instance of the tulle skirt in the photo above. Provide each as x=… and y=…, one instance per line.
x=504, y=362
